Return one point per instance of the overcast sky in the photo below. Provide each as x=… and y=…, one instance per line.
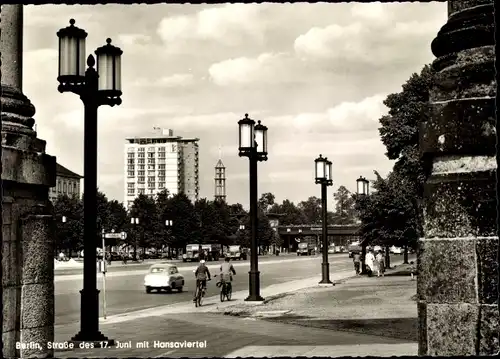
x=315, y=74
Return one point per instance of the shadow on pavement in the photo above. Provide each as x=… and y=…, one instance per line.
x=397, y=328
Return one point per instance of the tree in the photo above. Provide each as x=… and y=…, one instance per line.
x=116, y=221
x=312, y=210
x=185, y=221
x=344, y=207
x=69, y=234
x=144, y=233
x=292, y=215
x=103, y=215
x=162, y=236
x=399, y=132
x=264, y=231
x=388, y=215
x=236, y=208
x=266, y=201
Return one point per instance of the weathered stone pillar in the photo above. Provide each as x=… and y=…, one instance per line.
x=457, y=260
x=27, y=174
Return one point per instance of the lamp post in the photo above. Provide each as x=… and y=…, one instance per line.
x=363, y=188
x=134, y=221
x=323, y=176
x=169, y=223
x=95, y=88
x=253, y=144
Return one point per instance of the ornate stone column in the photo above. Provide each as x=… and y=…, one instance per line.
x=457, y=260
x=27, y=174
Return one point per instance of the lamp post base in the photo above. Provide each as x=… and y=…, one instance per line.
x=325, y=271
x=254, y=295
x=86, y=340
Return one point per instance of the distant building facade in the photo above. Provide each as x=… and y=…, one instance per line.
x=220, y=181
x=67, y=183
x=161, y=161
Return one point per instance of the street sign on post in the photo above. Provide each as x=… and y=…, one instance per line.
x=122, y=235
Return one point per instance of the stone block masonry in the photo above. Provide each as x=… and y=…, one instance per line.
x=27, y=221
x=457, y=260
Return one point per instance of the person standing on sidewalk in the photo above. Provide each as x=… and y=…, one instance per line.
x=357, y=262
x=380, y=264
x=369, y=262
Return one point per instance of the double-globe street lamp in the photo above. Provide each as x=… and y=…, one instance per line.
x=134, y=221
x=253, y=144
x=169, y=224
x=323, y=176
x=95, y=88
x=363, y=189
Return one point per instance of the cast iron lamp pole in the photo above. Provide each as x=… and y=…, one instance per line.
x=95, y=88
x=134, y=221
x=323, y=176
x=169, y=223
x=253, y=144
x=362, y=186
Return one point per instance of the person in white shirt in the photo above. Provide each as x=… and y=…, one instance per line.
x=369, y=262
x=380, y=264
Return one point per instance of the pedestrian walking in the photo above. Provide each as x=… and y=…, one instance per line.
x=356, y=258
x=380, y=264
x=370, y=262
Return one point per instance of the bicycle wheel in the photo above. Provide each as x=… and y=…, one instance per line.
x=222, y=292
x=229, y=292
x=196, y=297
x=200, y=298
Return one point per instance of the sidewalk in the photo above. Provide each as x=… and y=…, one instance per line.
x=308, y=321
x=382, y=307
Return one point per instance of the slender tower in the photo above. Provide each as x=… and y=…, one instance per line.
x=220, y=179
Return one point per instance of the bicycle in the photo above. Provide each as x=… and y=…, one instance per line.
x=200, y=293
x=226, y=290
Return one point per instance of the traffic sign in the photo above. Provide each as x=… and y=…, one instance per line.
x=122, y=235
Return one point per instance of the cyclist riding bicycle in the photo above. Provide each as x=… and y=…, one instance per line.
x=225, y=272
x=201, y=273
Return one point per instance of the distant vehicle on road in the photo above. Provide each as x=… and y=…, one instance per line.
x=213, y=251
x=237, y=252
x=192, y=253
x=163, y=276
x=331, y=248
x=306, y=249
x=396, y=250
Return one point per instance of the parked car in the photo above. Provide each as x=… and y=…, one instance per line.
x=331, y=249
x=163, y=276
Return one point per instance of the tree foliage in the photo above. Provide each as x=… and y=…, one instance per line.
x=345, y=212
x=311, y=209
x=393, y=214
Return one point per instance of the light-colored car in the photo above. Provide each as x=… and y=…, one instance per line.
x=377, y=249
x=163, y=276
x=396, y=250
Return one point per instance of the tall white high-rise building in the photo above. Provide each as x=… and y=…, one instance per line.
x=161, y=161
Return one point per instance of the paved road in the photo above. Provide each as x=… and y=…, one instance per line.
x=118, y=266
x=125, y=291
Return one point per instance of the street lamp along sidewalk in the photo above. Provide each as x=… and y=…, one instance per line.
x=363, y=189
x=95, y=88
x=253, y=144
x=323, y=170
